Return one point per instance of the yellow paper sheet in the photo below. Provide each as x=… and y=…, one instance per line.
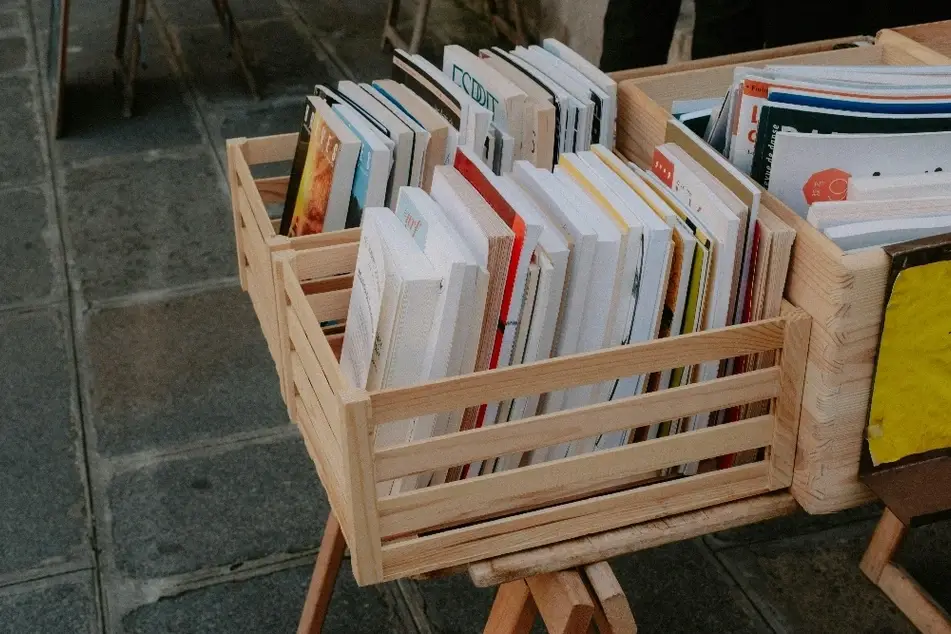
x=911, y=401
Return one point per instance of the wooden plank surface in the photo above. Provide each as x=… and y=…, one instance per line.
x=782, y=450
x=903, y=50
x=330, y=306
x=935, y=35
x=886, y=539
x=273, y=190
x=602, y=546
x=616, y=611
x=270, y=149
x=530, y=487
x=321, y=588
x=551, y=429
x=568, y=521
x=579, y=369
x=563, y=601
x=513, y=610
x=326, y=261
x=920, y=608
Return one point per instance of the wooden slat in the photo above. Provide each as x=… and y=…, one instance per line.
x=513, y=610
x=902, y=50
x=568, y=521
x=629, y=539
x=331, y=238
x=563, y=601
x=330, y=306
x=270, y=149
x=234, y=153
x=327, y=284
x=572, y=370
x=618, y=617
x=782, y=450
x=329, y=558
x=256, y=203
x=324, y=411
x=336, y=344
x=327, y=261
x=273, y=189
x=311, y=327
x=920, y=608
x=888, y=535
x=530, y=487
x=551, y=429
x=314, y=372
x=365, y=549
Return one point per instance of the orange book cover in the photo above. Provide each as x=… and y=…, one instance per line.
x=316, y=180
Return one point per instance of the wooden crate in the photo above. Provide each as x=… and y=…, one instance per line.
x=256, y=233
x=452, y=524
x=843, y=293
x=936, y=36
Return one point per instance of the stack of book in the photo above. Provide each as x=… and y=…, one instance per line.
x=360, y=143
x=861, y=152
x=478, y=270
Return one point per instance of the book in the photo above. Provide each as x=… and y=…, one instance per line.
x=407, y=71
x=373, y=165
x=809, y=168
x=440, y=145
x=599, y=79
x=526, y=236
x=476, y=117
x=421, y=136
x=318, y=191
x=390, y=315
x=929, y=185
x=794, y=118
x=823, y=215
x=877, y=233
x=458, y=311
x=390, y=125
x=538, y=117
x=492, y=242
x=489, y=89
x=581, y=239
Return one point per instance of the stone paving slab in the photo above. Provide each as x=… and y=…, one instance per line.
x=212, y=510
x=148, y=223
x=264, y=604
x=60, y=605
x=30, y=251
x=813, y=583
x=42, y=497
x=188, y=369
x=22, y=160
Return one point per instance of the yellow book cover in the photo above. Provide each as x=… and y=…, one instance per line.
x=316, y=180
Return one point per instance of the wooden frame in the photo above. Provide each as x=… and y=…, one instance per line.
x=452, y=524
x=844, y=293
x=898, y=585
x=256, y=237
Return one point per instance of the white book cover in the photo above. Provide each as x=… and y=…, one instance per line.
x=420, y=134
x=580, y=102
x=879, y=233
x=373, y=165
x=488, y=88
x=596, y=76
x=581, y=240
x=401, y=135
x=808, y=168
x=931, y=185
x=842, y=212
x=390, y=315
x=600, y=307
x=458, y=303
x=600, y=128
x=476, y=115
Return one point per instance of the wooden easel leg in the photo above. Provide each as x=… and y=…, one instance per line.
x=419, y=25
x=230, y=27
x=613, y=614
x=513, y=611
x=897, y=584
x=390, y=36
x=563, y=601
x=321, y=588
x=127, y=67
x=122, y=30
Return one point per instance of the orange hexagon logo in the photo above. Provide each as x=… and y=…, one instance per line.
x=828, y=184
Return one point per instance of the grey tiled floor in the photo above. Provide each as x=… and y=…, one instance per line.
x=149, y=479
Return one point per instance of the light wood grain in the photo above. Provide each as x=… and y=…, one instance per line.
x=270, y=149
x=920, y=608
x=618, y=617
x=273, y=190
x=568, y=521
x=365, y=551
x=258, y=209
x=330, y=306
x=327, y=261
x=234, y=153
x=513, y=610
x=563, y=601
x=321, y=588
x=578, y=369
x=594, y=548
x=782, y=449
x=322, y=412
x=528, y=487
x=331, y=238
x=886, y=539
x=551, y=429
x=935, y=35
x=902, y=50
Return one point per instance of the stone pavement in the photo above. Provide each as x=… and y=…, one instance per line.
x=149, y=479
